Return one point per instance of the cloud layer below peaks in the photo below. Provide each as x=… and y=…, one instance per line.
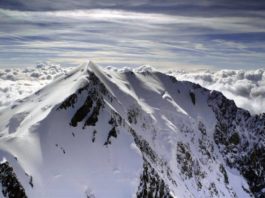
x=245, y=87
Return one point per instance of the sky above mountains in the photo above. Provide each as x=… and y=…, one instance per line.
x=166, y=34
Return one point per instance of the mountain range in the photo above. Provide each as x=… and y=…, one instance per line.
x=99, y=133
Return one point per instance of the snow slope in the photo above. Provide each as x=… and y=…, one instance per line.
x=104, y=133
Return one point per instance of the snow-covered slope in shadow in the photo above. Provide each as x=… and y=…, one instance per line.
x=107, y=133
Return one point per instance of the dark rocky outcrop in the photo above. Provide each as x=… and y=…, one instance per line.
x=241, y=139
x=11, y=187
x=93, y=118
x=112, y=133
x=82, y=111
x=192, y=97
x=69, y=102
x=151, y=185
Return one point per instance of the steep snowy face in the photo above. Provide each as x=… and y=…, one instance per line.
x=104, y=133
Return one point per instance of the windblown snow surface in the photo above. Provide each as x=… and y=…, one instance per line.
x=97, y=132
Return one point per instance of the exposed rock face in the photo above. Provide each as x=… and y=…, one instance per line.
x=151, y=185
x=241, y=139
x=11, y=187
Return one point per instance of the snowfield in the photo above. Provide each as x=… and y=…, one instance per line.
x=106, y=132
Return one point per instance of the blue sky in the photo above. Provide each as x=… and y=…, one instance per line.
x=166, y=34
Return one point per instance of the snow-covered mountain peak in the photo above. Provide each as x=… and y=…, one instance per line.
x=98, y=132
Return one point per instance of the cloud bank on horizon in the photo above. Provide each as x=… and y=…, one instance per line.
x=167, y=34
x=18, y=83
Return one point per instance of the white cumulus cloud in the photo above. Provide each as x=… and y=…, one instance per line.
x=245, y=87
x=17, y=83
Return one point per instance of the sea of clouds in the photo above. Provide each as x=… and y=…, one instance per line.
x=17, y=83
x=245, y=87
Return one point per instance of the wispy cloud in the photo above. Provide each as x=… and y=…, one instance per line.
x=116, y=37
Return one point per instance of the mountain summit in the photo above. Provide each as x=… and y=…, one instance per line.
x=101, y=133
